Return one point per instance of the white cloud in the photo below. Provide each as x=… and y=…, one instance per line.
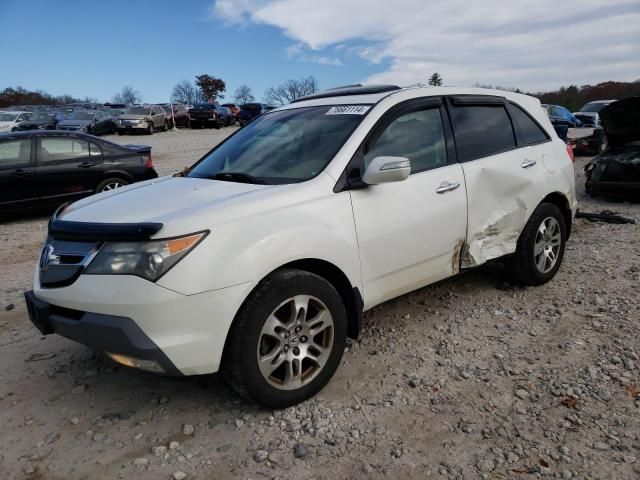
x=531, y=44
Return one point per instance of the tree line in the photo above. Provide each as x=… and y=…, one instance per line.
x=206, y=88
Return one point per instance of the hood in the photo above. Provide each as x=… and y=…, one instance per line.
x=621, y=121
x=75, y=123
x=6, y=124
x=132, y=116
x=181, y=204
x=35, y=123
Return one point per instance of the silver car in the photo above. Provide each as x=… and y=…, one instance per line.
x=148, y=118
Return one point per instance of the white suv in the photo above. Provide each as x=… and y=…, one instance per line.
x=259, y=261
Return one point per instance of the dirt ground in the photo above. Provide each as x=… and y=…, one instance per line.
x=470, y=378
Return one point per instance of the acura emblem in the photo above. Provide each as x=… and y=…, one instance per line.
x=48, y=257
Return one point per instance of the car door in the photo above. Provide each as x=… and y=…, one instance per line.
x=410, y=233
x=158, y=117
x=17, y=173
x=503, y=176
x=66, y=168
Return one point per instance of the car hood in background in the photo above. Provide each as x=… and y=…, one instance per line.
x=35, y=123
x=131, y=116
x=75, y=123
x=621, y=121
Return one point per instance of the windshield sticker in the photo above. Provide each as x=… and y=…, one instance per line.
x=348, y=110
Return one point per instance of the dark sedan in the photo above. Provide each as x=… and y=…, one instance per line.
x=40, y=121
x=47, y=168
x=94, y=122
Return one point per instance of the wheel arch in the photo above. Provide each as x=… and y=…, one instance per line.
x=562, y=202
x=117, y=174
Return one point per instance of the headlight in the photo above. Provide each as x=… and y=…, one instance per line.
x=149, y=260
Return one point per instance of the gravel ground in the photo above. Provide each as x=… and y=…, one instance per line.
x=470, y=378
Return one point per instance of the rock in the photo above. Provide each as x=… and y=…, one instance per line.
x=28, y=469
x=78, y=389
x=300, y=450
x=260, y=455
x=141, y=462
x=173, y=445
x=9, y=306
x=159, y=450
x=74, y=421
x=522, y=394
x=566, y=475
x=179, y=475
x=600, y=446
x=616, y=360
x=239, y=422
x=52, y=437
x=498, y=356
x=188, y=429
x=486, y=466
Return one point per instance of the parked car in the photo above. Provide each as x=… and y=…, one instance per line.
x=47, y=168
x=588, y=113
x=561, y=116
x=206, y=115
x=180, y=113
x=259, y=261
x=249, y=111
x=227, y=117
x=94, y=122
x=233, y=107
x=147, y=118
x=42, y=120
x=115, y=109
x=616, y=172
x=9, y=121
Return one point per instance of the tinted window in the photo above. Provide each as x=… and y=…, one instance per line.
x=57, y=149
x=529, y=130
x=481, y=130
x=15, y=152
x=417, y=136
x=94, y=150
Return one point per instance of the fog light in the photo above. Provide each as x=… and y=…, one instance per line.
x=148, y=365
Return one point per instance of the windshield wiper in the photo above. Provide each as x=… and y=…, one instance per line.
x=236, y=177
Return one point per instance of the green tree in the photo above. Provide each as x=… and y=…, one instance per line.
x=435, y=80
x=210, y=86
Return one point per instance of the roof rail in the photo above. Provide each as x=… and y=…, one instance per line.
x=349, y=90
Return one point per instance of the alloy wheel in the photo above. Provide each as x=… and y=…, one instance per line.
x=547, y=245
x=112, y=186
x=295, y=342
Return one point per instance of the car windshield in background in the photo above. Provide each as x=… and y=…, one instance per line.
x=138, y=111
x=205, y=106
x=8, y=117
x=42, y=116
x=288, y=146
x=593, y=107
x=82, y=116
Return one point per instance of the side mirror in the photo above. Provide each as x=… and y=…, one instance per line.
x=386, y=170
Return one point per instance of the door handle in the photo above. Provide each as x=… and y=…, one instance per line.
x=447, y=187
x=86, y=164
x=21, y=173
x=528, y=163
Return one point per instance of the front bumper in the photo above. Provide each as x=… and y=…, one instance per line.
x=189, y=330
x=108, y=333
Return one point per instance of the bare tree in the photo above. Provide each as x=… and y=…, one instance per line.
x=290, y=90
x=243, y=95
x=127, y=95
x=185, y=92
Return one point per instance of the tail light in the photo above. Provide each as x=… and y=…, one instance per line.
x=570, y=153
x=148, y=162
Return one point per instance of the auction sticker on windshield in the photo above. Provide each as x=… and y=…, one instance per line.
x=348, y=110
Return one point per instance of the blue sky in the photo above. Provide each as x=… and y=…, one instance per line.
x=90, y=48
x=87, y=48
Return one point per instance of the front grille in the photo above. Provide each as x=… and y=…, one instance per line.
x=62, y=262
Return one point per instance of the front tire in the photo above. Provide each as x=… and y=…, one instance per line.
x=150, y=128
x=287, y=340
x=540, y=248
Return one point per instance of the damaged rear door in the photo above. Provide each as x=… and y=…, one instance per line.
x=502, y=175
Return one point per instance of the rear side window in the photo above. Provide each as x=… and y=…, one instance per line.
x=15, y=152
x=529, y=130
x=481, y=131
x=60, y=149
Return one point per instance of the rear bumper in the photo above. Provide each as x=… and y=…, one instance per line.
x=108, y=333
x=619, y=190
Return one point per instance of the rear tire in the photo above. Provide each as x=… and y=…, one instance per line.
x=165, y=127
x=111, y=184
x=296, y=323
x=540, y=248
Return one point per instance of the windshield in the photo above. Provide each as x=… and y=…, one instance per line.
x=288, y=146
x=593, y=107
x=138, y=111
x=82, y=116
x=8, y=117
x=42, y=116
x=205, y=106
